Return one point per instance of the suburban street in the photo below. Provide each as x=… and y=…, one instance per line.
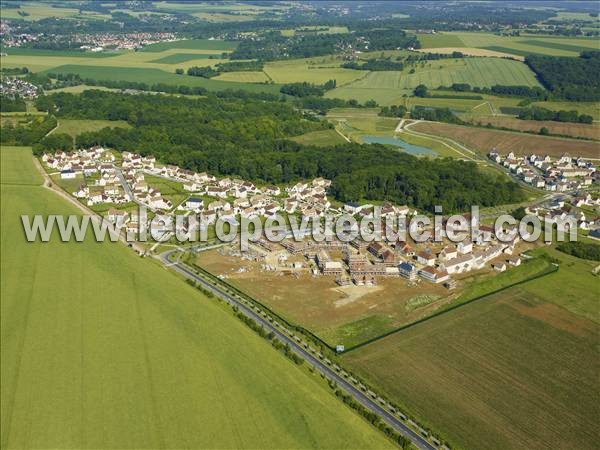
x=358, y=395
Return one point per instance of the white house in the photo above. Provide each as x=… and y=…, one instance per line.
x=67, y=174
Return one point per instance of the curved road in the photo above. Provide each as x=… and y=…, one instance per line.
x=358, y=395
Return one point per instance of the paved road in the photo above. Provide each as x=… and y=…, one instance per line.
x=358, y=395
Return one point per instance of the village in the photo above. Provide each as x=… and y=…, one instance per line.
x=131, y=180
x=13, y=87
x=556, y=175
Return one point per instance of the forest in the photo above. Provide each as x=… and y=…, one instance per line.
x=574, y=79
x=272, y=45
x=537, y=113
x=247, y=138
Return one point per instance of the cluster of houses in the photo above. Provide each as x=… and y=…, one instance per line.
x=16, y=87
x=362, y=263
x=96, y=165
x=106, y=181
x=559, y=211
x=120, y=41
x=543, y=172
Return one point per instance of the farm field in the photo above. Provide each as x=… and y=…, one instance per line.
x=243, y=77
x=589, y=131
x=522, y=45
x=388, y=88
x=312, y=70
x=177, y=58
x=483, y=140
x=75, y=127
x=320, y=138
x=191, y=44
x=512, y=371
x=33, y=11
x=152, y=76
x=144, y=362
x=125, y=59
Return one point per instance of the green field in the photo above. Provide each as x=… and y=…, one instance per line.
x=510, y=372
x=153, y=76
x=33, y=11
x=181, y=57
x=196, y=44
x=516, y=370
x=243, y=77
x=316, y=70
x=144, y=362
x=19, y=51
x=439, y=40
x=521, y=45
x=75, y=127
x=388, y=88
x=322, y=138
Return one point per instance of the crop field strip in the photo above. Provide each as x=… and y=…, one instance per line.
x=483, y=140
x=181, y=57
x=117, y=362
x=487, y=388
x=152, y=76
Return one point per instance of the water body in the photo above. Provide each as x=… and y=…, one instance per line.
x=416, y=150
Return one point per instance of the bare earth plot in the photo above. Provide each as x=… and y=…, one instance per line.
x=484, y=140
x=589, y=131
x=101, y=349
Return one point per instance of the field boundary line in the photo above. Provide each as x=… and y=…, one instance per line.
x=552, y=269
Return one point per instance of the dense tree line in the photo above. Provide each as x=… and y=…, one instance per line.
x=393, y=111
x=580, y=250
x=233, y=66
x=247, y=139
x=28, y=134
x=272, y=45
x=303, y=89
x=204, y=72
x=435, y=115
x=8, y=104
x=573, y=79
x=537, y=113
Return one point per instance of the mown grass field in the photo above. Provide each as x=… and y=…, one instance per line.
x=243, y=77
x=388, y=88
x=316, y=70
x=483, y=140
x=521, y=45
x=512, y=371
x=177, y=58
x=195, y=44
x=144, y=362
x=75, y=127
x=320, y=138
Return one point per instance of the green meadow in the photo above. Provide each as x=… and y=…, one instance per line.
x=181, y=57
x=75, y=127
x=146, y=361
x=195, y=44
x=153, y=76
